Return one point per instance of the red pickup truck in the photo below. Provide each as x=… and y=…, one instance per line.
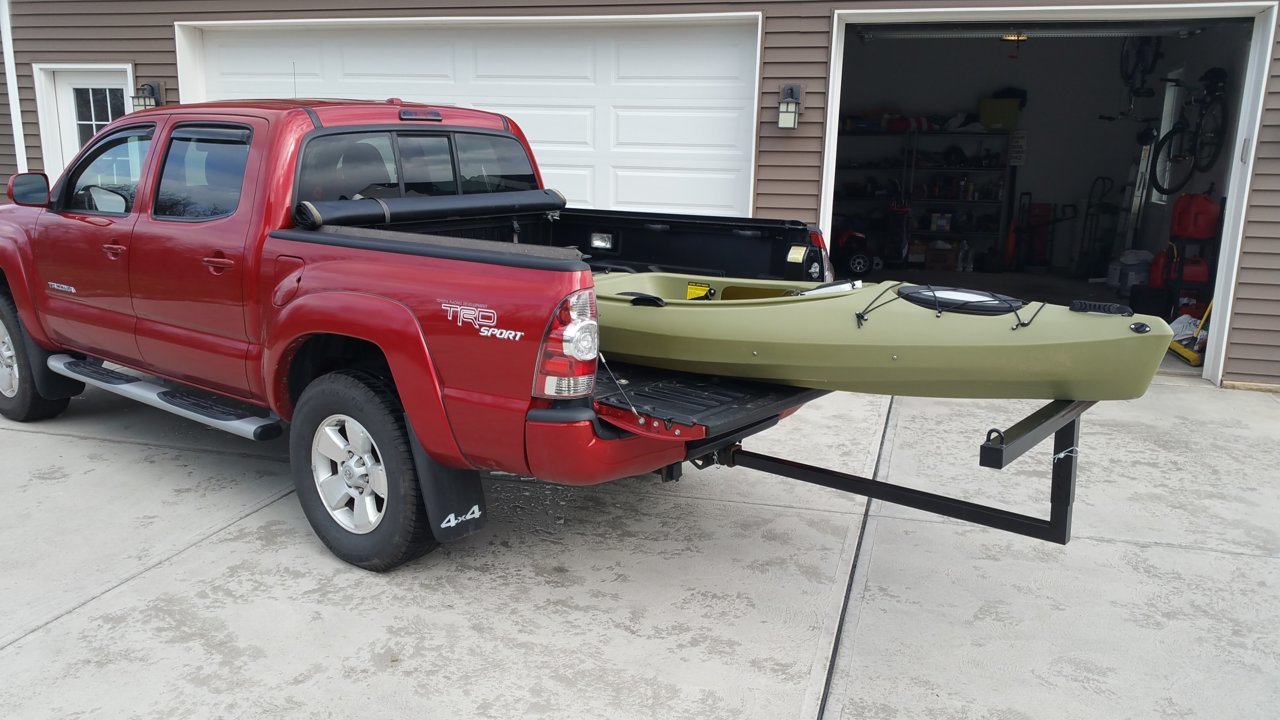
x=389, y=280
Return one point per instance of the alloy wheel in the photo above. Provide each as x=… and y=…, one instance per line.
x=9, y=376
x=349, y=474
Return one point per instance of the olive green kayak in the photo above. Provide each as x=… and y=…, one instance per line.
x=886, y=338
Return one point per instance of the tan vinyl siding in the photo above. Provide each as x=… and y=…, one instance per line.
x=1253, y=338
x=795, y=49
x=8, y=154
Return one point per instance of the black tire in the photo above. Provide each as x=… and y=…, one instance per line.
x=26, y=404
x=859, y=263
x=1172, y=162
x=1138, y=58
x=1211, y=134
x=403, y=531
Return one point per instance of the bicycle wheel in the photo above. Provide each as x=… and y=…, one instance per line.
x=1138, y=58
x=1173, y=162
x=1211, y=134
x=1149, y=54
x=1129, y=61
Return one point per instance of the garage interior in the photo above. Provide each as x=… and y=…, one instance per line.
x=1014, y=159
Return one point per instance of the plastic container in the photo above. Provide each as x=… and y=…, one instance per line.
x=1195, y=217
x=1195, y=269
x=1113, y=274
x=1131, y=275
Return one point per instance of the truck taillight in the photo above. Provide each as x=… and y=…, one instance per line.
x=567, y=361
x=815, y=237
x=820, y=242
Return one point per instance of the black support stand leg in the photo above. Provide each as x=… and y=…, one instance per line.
x=1062, y=493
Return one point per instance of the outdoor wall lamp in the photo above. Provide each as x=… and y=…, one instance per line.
x=148, y=96
x=789, y=100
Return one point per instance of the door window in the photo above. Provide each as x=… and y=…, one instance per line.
x=428, y=165
x=95, y=109
x=106, y=178
x=490, y=163
x=203, y=173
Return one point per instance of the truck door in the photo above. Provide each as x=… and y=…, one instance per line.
x=189, y=264
x=81, y=246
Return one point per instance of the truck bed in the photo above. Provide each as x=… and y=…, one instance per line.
x=608, y=239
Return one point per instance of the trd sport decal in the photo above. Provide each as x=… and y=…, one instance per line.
x=482, y=319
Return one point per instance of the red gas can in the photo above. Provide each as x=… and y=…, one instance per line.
x=1159, y=270
x=1195, y=217
x=1195, y=270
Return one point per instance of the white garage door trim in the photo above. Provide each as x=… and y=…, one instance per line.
x=1254, y=95
x=190, y=50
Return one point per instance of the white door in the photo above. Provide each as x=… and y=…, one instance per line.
x=84, y=101
x=641, y=115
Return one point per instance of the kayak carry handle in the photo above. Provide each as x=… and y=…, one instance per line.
x=645, y=299
x=1101, y=307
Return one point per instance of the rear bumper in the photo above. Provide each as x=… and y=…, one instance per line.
x=565, y=446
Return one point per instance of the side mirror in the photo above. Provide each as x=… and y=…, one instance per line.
x=30, y=189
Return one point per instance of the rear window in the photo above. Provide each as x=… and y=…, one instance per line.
x=361, y=165
x=428, y=165
x=349, y=167
x=493, y=164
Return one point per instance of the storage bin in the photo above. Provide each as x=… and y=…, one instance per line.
x=999, y=114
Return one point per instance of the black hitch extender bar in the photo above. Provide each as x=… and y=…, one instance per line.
x=1060, y=418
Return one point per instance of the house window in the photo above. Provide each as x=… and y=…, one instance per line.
x=95, y=108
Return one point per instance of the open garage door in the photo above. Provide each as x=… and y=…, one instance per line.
x=646, y=116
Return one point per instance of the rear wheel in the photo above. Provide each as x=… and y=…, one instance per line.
x=19, y=398
x=354, y=471
x=1173, y=162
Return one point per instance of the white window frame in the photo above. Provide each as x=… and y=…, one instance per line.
x=42, y=75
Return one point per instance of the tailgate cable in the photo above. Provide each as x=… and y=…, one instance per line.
x=619, y=386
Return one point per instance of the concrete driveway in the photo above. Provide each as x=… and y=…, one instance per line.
x=158, y=569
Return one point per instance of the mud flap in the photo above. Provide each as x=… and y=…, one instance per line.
x=49, y=384
x=454, y=498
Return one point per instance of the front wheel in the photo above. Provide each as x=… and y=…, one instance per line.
x=354, y=472
x=1173, y=162
x=20, y=400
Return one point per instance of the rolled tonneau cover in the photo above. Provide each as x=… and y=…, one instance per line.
x=385, y=211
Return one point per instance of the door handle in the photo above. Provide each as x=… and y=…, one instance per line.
x=218, y=264
x=114, y=251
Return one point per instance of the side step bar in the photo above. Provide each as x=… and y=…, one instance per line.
x=192, y=406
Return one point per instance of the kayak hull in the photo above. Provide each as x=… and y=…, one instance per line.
x=750, y=330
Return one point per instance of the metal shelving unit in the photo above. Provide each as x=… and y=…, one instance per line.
x=927, y=191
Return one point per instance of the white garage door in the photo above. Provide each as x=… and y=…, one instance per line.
x=641, y=116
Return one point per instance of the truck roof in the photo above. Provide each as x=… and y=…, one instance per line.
x=339, y=111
